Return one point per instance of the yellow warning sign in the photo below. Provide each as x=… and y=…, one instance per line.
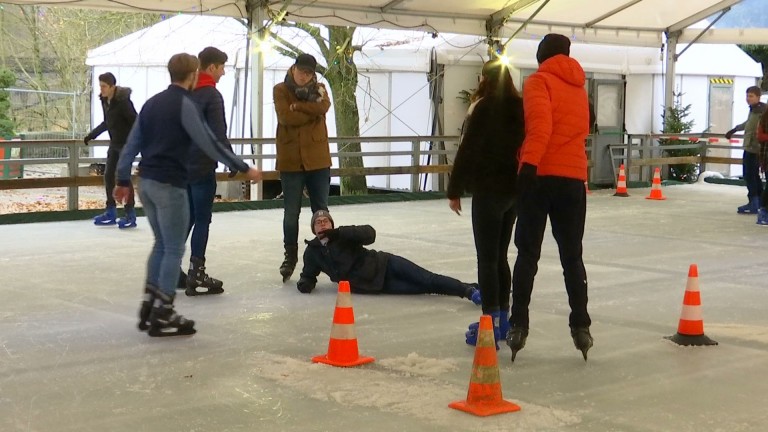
x=721, y=80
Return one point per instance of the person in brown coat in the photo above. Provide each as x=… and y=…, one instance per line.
x=303, y=156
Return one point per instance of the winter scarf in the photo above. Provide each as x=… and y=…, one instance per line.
x=308, y=92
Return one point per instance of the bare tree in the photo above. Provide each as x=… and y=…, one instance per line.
x=341, y=74
x=46, y=47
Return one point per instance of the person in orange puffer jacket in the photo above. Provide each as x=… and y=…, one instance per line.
x=550, y=183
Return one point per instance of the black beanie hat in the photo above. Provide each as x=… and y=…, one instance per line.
x=306, y=61
x=552, y=45
x=321, y=213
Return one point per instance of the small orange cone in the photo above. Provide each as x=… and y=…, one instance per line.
x=690, y=330
x=656, y=187
x=342, y=348
x=484, y=395
x=621, y=185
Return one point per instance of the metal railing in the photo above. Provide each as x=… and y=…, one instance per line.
x=638, y=152
x=75, y=160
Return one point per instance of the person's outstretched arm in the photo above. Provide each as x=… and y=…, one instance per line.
x=310, y=271
x=203, y=137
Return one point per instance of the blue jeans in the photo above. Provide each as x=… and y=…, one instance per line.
x=493, y=216
x=751, y=169
x=318, y=183
x=201, y=194
x=167, y=211
x=405, y=277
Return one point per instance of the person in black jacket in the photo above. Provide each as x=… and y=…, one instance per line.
x=486, y=166
x=202, y=171
x=340, y=253
x=119, y=115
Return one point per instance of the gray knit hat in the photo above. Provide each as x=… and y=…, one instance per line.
x=321, y=213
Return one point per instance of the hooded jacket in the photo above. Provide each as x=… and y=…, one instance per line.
x=345, y=258
x=487, y=155
x=751, y=141
x=212, y=106
x=119, y=116
x=302, y=136
x=556, y=119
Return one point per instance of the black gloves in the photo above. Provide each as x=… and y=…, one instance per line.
x=527, y=179
x=331, y=234
x=87, y=139
x=305, y=286
x=730, y=133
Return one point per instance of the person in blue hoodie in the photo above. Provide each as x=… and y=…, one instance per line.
x=166, y=128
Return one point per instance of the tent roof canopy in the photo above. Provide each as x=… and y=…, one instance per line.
x=624, y=22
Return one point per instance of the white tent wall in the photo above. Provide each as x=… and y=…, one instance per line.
x=393, y=93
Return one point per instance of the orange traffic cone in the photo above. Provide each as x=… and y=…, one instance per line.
x=621, y=185
x=342, y=348
x=484, y=395
x=690, y=330
x=656, y=187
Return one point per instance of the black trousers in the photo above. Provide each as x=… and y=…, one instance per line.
x=110, y=171
x=493, y=216
x=564, y=201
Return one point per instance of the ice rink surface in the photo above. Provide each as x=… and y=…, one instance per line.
x=71, y=358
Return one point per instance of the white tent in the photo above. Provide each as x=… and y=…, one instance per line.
x=392, y=95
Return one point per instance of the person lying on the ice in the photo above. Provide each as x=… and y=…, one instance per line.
x=339, y=253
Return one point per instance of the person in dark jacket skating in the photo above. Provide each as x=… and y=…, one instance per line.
x=119, y=115
x=486, y=166
x=166, y=128
x=340, y=254
x=202, y=171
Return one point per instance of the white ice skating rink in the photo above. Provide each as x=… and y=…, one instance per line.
x=71, y=358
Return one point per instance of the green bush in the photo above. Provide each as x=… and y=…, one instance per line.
x=7, y=79
x=676, y=121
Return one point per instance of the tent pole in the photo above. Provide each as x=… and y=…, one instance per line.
x=257, y=14
x=669, y=73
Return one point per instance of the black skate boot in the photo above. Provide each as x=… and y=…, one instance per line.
x=164, y=321
x=146, y=306
x=181, y=284
x=289, y=263
x=582, y=339
x=197, y=278
x=516, y=337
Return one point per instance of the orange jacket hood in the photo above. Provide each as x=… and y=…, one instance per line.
x=556, y=119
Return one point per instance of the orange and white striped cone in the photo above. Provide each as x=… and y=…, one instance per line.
x=342, y=347
x=656, y=187
x=484, y=395
x=621, y=184
x=690, y=330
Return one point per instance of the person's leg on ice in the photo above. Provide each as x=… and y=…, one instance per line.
x=492, y=220
x=568, y=215
x=201, y=196
x=167, y=211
